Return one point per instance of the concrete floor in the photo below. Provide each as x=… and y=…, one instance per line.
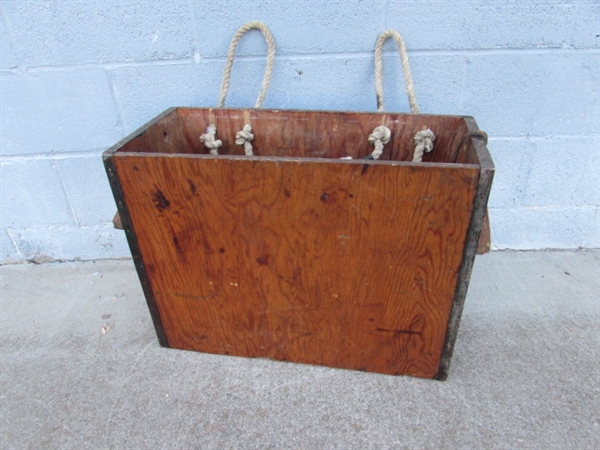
x=81, y=368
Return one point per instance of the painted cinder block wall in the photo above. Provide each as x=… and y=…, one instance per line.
x=77, y=76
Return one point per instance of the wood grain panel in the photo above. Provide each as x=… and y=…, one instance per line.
x=164, y=134
x=322, y=134
x=340, y=263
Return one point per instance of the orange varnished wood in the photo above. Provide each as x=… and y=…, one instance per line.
x=339, y=263
x=321, y=134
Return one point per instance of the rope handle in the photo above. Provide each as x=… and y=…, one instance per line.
x=410, y=91
x=478, y=134
x=382, y=134
x=231, y=54
x=243, y=137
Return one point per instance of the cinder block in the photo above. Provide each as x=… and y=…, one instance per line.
x=57, y=111
x=437, y=81
x=533, y=94
x=326, y=83
x=87, y=189
x=545, y=192
x=484, y=24
x=145, y=91
x=564, y=172
x=55, y=32
x=336, y=83
x=541, y=228
x=348, y=83
x=8, y=249
x=58, y=32
x=32, y=194
x=539, y=172
x=70, y=243
x=512, y=158
x=8, y=56
x=298, y=26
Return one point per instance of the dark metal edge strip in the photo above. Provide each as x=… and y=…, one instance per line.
x=486, y=175
x=133, y=246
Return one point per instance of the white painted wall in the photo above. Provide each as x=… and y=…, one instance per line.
x=76, y=76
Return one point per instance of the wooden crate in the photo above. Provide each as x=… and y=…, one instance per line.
x=295, y=254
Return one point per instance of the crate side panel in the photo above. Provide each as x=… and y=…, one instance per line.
x=339, y=264
x=322, y=134
x=163, y=134
x=475, y=238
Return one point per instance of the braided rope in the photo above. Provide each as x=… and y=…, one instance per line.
x=210, y=139
x=423, y=144
x=380, y=136
x=383, y=37
x=231, y=53
x=478, y=134
x=244, y=138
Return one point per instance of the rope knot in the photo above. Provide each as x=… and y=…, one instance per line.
x=379, y=137
x=210, y=141
x=244, y=138
x=423, y=144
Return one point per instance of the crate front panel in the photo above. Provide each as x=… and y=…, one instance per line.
x=342, y=264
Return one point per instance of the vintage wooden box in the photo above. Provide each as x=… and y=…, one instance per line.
x=295, y=254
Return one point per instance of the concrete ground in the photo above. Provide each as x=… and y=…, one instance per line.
x=81, y=368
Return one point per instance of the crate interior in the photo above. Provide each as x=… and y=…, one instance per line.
x=303, y=134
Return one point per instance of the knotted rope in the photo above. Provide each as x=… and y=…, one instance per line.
x=244, y=138
x=245, y=133
x=210, y=141
x=379, y=137
x=478, y=134
x=423, y=139
x=423, y=144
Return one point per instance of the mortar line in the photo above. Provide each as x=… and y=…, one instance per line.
x=524, y=170
x=12, y=239
x=11, y=159
x=543, y=138
x=67, y=196
x=302, y=56
x=94, y=153
x=383, y=14
x=108, y=225
x=547, y=208
x=115, y=98
x=466, y=72
x=13, y=42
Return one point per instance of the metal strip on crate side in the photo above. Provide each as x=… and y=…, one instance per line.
x=486, y=174
x=135, y=251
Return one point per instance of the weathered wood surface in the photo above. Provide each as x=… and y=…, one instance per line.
x=353, y=264
x=486, y=175
x=484, y=246
x=316, y=134
x=342, y=264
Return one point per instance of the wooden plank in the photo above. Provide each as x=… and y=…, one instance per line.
x=484, y=185
x=485, y=238
x=132, y=240
x=345, y=264
x=141, y=140
x=322, y=134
